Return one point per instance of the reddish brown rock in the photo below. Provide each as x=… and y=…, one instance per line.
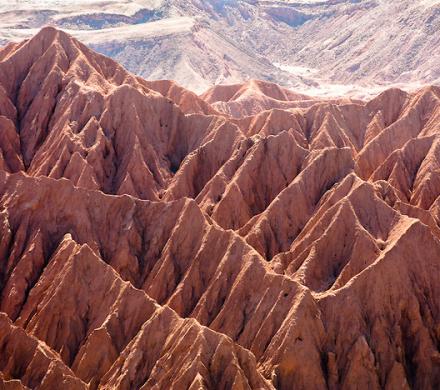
x=117, y=337
x=187, y=101
x=148, y=241
x=26, y=362
x=252, y=97
x=81, y=116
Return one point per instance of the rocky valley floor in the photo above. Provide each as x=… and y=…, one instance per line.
x=247, y=238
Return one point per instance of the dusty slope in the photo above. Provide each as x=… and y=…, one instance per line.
x=368, y=41
x=320, y=44
x=146, y=241
x=187, y=41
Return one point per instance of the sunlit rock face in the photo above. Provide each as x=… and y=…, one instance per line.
x=251, y=237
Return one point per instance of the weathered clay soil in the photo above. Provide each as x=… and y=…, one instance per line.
x=250, y=238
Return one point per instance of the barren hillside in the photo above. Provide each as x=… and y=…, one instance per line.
x=149, y=239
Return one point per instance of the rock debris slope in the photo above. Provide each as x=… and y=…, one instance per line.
x=333, y=48
x=153, y=239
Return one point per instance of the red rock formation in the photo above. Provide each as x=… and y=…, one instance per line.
x=252, y=97
x=27, y=363
x=147, y=241
x=187, y=101
x=71, y=109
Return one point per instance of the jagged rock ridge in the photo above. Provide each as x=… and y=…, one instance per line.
x=151, y=239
